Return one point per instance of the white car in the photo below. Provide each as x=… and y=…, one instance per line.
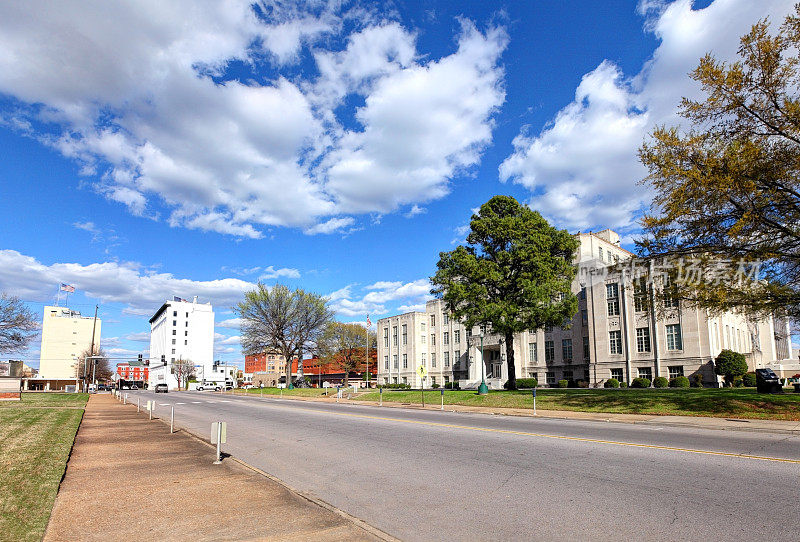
x=210, y=386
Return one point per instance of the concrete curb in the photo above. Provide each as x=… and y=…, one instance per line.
x=703, y=422
x=361, y=524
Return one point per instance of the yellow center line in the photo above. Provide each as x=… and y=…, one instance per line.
x=559, y=437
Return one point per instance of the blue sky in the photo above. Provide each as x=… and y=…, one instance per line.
x=335, y=146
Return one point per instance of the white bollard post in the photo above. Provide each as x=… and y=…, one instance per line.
x=137, y=404
x=125, y=399
x=171, y=419
x=152, y=408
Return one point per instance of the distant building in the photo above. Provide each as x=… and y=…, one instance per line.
x=180, y=330
x=133, y=372
x=267, y=368
x=616, y=333
x=65, y=335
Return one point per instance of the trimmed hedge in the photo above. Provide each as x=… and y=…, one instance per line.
x=452, y=386
x=640, y=382
x=697, y=380
x=399, y=386
x=563, y=383
x=611, y=383
x=434, y=386
x=679, y=382
x=623, y=384
x=660, y=382
x=749, y=380
x=527, y=383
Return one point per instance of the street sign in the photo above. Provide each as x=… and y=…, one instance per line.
x=149, y=405
x=422, y=371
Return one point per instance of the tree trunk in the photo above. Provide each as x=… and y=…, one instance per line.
x=512, y=369
x=346, y=374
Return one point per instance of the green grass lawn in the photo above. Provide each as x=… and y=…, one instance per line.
x=724, y=403
x=301, y=392
x=36, y=436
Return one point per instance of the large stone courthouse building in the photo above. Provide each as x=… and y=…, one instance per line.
x=616, y=333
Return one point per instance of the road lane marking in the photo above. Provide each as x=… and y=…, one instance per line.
x=180, y=403
x=224, y=401
x=195, y=402
x=163, y=404
x=562, y=437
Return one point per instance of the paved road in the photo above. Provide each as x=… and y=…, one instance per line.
x=428, y=475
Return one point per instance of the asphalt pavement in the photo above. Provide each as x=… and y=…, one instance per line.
x=428, y=475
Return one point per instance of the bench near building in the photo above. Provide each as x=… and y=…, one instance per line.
x=616, y=333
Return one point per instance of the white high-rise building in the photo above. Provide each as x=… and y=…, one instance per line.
x=180, y=330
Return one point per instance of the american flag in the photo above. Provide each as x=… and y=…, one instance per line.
x=369, y=322
x=67, y=288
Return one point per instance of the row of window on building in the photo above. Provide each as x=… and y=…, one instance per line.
x=446, y=360
x=456, y=336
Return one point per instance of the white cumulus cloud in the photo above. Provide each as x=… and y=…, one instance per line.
x=582, y=168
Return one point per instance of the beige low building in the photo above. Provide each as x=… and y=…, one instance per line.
x=65, y=335
x=616, y=333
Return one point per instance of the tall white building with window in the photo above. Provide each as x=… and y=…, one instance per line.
x=180, y=330
x=616, y=333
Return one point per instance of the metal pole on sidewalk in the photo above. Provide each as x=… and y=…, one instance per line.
x=380, y=394
x=219, y=443
x=171, y=419
x=534, y=400
x=137, y=404
x=442, y=398
x=125, y=399
x=152, y=408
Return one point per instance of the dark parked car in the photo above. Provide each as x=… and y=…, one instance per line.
x=161, y=388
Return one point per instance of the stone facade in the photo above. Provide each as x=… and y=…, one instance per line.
x=617, y=332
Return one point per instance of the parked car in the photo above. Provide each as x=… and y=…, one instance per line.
x=161, y=388
x=211, y=387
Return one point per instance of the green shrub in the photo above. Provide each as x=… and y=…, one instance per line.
x=640, y=382
x=623, y=384
x=563, y=383
x=452, y=386
x=730, y=364
x=399, y=386
x=527, y=383
x=679, y=382
x=697, y=380
x=611, y=383
x=434, y=386
x=583, y=384
x=749, y=380
x=660, y=382
x=738, y=382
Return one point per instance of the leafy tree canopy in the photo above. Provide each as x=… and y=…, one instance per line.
x=728, y=188
x=515, y=273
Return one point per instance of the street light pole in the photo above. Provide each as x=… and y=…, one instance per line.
x=483, y=389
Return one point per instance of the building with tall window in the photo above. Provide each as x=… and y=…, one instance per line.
x=181, y=330
x=65, y=336
x=620, y=331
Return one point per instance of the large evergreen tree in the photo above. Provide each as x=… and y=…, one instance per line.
x=515, y=273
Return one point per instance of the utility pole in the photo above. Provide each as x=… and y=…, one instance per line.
x=91, y=351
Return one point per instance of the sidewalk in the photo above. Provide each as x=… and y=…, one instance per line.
x=128, y=478
x=704, y=422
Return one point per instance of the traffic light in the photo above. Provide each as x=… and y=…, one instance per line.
x=164, y=360
x=140, y=358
